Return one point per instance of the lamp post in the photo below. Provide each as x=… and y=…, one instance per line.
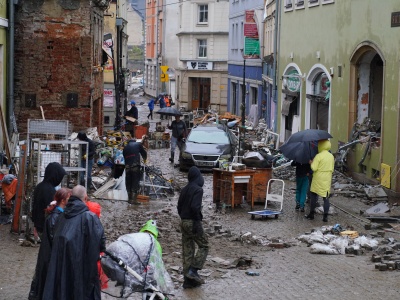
x=242, y=129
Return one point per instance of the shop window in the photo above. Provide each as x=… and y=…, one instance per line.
x=202, y=45
x=203, y=14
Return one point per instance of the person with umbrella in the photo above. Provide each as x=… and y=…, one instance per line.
x=179, y=133
x=322, y=166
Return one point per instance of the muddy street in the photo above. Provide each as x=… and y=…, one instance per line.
x=285, y=267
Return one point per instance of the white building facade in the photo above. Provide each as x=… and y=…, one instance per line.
x=198, y=58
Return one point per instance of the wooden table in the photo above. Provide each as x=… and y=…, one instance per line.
x=229, y=187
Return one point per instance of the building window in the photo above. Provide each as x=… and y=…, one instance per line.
x=299, y=4
x=327, y=1
x=312, y=3
x=203, y=13
x=202, y=48
x=254, y=95
x=288, y=5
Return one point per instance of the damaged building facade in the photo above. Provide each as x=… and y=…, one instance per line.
x=58, y=62
x=339, y=71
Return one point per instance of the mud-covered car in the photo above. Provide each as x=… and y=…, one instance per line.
x=206, y=145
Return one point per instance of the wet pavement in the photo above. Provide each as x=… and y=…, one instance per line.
x=284, y=273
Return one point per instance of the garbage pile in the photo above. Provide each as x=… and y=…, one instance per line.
x=335, y=240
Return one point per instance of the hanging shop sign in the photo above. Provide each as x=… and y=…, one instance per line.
x=292, y=81
x=199, y=65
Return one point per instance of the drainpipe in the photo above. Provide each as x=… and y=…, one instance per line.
x=10, y=63
x=276, y=72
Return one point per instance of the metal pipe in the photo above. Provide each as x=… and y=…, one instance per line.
x=10, y=64
x=277, y=22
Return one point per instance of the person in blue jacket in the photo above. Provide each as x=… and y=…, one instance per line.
x=151, y=108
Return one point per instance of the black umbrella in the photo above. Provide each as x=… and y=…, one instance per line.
x=301, y=152
x=169, y=111
x=309, y=135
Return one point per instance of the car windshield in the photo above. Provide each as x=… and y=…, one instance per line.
x=208, y=137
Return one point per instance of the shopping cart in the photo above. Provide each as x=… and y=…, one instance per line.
x=271, y=197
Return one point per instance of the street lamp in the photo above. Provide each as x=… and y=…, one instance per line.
x=242, y=130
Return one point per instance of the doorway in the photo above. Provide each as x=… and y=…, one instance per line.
x=201, y=92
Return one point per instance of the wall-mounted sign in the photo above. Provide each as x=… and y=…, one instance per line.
x=292, y=81
x=108, y=98
x=249, y=16
x=395, y=20
x=250, y=30
x=251, y=48
x=199, y=65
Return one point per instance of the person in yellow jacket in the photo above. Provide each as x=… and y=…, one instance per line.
x=322, y=166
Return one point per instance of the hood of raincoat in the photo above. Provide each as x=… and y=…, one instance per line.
x=194, y=176
x=324, y=145
x=150, y=226
x=75, y=206
x=54, y=173
x=82, y=136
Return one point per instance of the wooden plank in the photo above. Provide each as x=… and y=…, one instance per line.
x=133, y=120
x=20, y=195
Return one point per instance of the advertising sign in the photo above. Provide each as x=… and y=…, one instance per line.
x=251, y=47
x=199, y=65
x=293, y=82
x=108, y=98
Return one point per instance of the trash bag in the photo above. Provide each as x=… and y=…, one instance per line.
x=139, y=252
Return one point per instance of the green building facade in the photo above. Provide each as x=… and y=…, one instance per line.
x=339, y=67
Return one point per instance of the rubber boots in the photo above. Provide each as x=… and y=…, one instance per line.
x=325, y=219
x=172, y=158
x=310, y=216
x=132, y=198
x=192, y=274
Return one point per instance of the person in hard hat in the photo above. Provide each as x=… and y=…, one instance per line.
x=133, y=113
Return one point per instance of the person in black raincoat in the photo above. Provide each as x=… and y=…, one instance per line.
x=44, y=193
x=132, y=152
x=189, y=209
x=54, y=210
x=77, y=243
x=133, y=113
x=89, y=153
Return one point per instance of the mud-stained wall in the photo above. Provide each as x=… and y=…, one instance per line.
x=58, y=62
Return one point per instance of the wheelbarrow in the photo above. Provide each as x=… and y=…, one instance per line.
x=276, y=198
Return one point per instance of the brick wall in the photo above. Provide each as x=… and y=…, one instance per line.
x=55, y=51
